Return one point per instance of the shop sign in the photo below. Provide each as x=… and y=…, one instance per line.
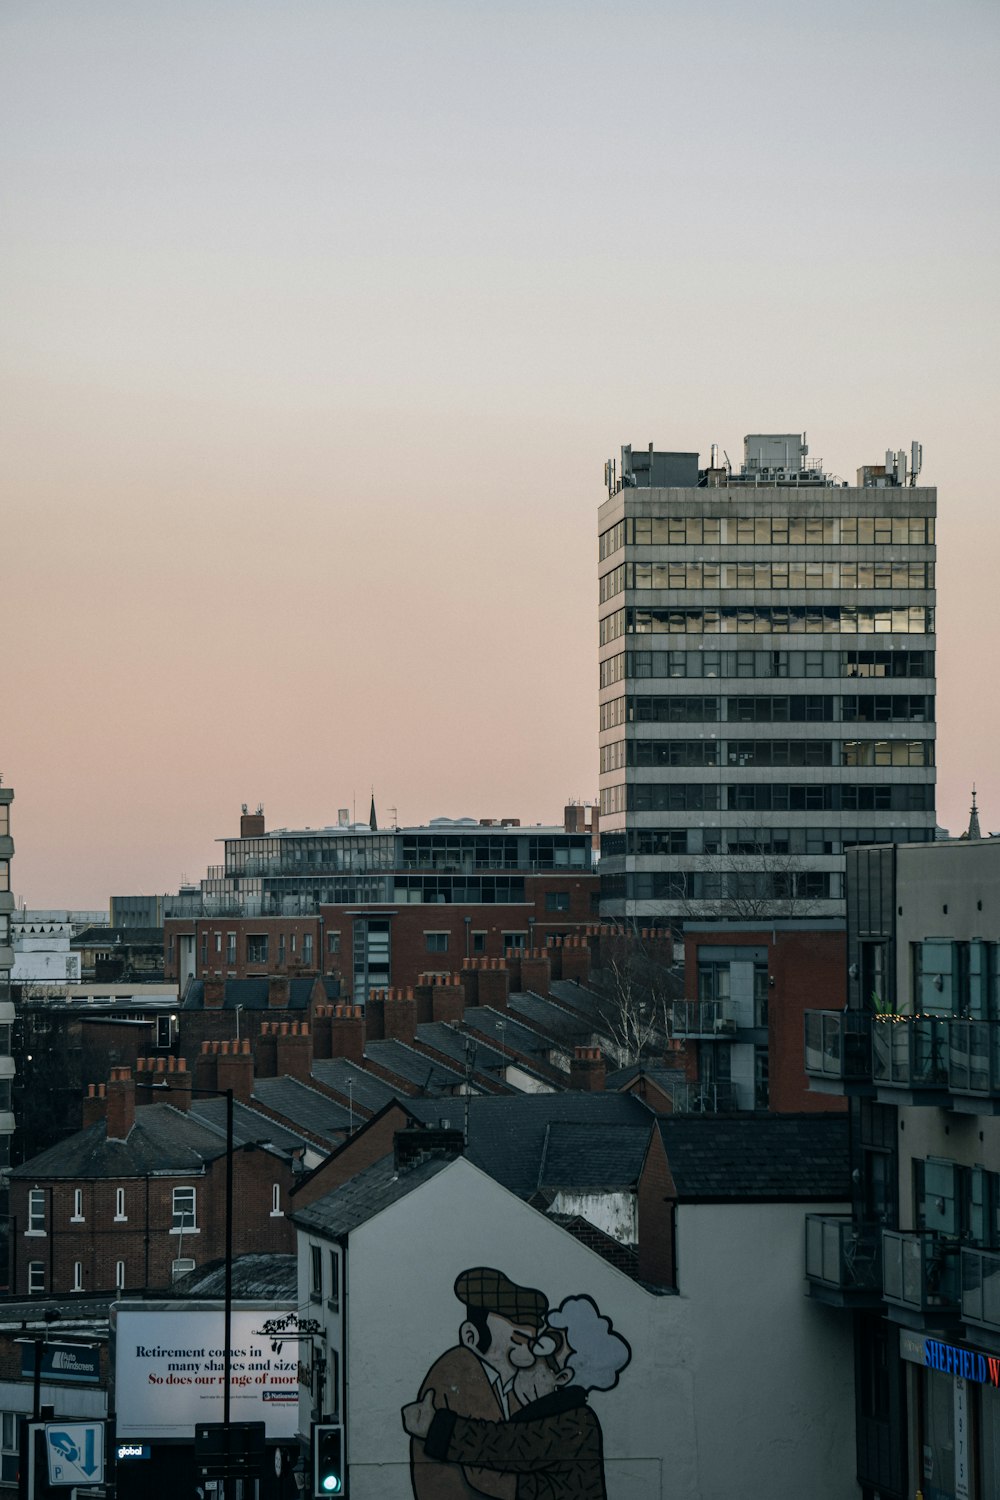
x=964, y=1364
x=63, y=1362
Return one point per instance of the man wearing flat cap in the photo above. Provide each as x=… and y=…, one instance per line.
x=476, y=1377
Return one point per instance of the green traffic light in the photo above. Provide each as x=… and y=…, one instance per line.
x=331, y=1484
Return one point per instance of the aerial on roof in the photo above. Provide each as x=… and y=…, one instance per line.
x=355, y=1084
x=413, y=1066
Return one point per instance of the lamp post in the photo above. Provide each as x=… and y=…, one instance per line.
x=227, y=1315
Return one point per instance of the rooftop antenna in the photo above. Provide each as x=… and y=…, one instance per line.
x=916, y=461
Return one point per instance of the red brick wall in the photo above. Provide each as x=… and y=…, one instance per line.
x=362, y=1150
x=100, y=1242
x=657, y=1202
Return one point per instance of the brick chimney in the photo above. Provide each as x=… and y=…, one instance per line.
x=587, y=1070
x=494, y=984
x=214, y=993
x=448, y=999
x=400, y=1015
x=266, y=1052
x=294, y=1054
x=471, y=968
x=278, y=992
x=121, y=1104
x=536, y=974
x=412, y=1147
x=95, y=1104
x=423, y=993
x=375, y=1016
x=347, y=1034
x=575, y=960
x=252, y=824
x=234, y=1069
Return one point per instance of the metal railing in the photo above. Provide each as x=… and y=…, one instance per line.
x=910, y=1051
x=838, y=1044
x=920, y=1270
x=974, y=1057
x=981, y=1288
x=702, y=1018
x=843, y=1255
x=704, y=1098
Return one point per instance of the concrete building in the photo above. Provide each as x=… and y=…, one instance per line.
x=6, y=1005
x=766, y=678
x=916, y=1266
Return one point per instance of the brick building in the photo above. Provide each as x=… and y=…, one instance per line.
x=377, y=907
x=137, y=1198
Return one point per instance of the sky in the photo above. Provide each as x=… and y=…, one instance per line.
x=318, y=321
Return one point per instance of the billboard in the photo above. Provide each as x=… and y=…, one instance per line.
x=169, y=1371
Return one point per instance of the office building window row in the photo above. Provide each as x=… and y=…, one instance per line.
x=753, y=840
x=813, y=619
x=767, y=575
x=767, y=531
x=956, y=978
x=762, y=664
x=763, y=708
x=687, y=796
x=800, y=752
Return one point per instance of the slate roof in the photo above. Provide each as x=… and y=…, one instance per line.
x=249, y=1126
x=251, y=994
x=255, y=1277
x=163, y=1139
x=352, y=1082
x=456, y=1045
x=366, y=1194
x=508, y=1134
x=588, y=1158
x=560, y=1025
x=413, y=1066
x=773, y=1158
x=301, y=1105
x=663, y=1077
x=507, y=1031
x=121, y=937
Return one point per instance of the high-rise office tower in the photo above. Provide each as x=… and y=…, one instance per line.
x=766, y=677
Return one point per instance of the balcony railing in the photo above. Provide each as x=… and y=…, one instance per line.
x=981, y=1288
x=838, y=1045
x=842, y=1256
x=702, y=1018
x=974, y=1058
x=910, y=1052
x=704, y=1098
x=920, y=1271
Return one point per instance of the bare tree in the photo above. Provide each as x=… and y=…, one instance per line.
x=751, y=880
x=637, y=984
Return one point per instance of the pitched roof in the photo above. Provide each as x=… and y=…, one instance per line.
x=255, y=1277
x=163, y=1139
x=561, y=1025
x=250, y=1127
x=508, y=1134
x=413, y=1066
x=758, y=1157
x=366, y=1194
x=507, y=1031
x=301, y=1105
x=588, y=1157
x=352, y=1082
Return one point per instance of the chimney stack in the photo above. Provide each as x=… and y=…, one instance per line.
x=587, y=1070
x=121, y=1104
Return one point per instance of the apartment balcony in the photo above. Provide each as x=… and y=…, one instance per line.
x=702, y=1018
x=920, y=1277
x=843, y=1261
x=705, y=1098
x=981, y=1290
x=838, y=1053
x=974, y=1066
x=910, y=1059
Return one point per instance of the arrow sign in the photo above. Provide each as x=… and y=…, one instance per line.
x=75, y=1452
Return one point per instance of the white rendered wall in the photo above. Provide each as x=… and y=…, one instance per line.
x=773, y=1369
x=740, y=1386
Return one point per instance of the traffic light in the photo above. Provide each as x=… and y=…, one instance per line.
x=328, y=1460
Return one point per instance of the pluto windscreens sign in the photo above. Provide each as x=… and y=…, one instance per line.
x=170, y=1372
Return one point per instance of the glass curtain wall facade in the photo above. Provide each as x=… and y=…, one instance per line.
x=766, y=680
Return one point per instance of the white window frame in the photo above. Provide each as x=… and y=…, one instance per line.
x=121, y=1217
x=184, y=1227
x=276, y=1210
x=77, y=1276
x=119, y=1274
x=8, y=1431
x=77, y=1216
x=36, y=1216
x=36, y=1274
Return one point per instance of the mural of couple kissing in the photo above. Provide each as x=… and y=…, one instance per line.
x=504, y=1413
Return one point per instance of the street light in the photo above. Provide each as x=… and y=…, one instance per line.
x=227, y=1336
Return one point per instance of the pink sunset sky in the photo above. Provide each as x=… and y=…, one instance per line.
x=319, y=320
